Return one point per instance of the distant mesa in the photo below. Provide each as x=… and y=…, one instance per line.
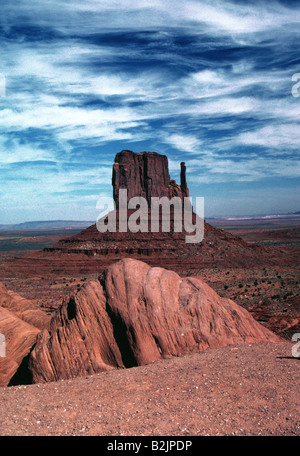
x=144, y=174
x=46, y=225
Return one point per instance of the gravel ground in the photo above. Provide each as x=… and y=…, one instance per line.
x=248, y=389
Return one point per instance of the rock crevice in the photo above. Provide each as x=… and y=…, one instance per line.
x=136, y=315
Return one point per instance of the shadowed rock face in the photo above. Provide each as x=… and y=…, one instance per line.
x=134, y=315
x=146, y=174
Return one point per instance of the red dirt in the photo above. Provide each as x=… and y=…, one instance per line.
x=236, y=390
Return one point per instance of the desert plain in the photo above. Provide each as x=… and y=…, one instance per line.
x=249, y=389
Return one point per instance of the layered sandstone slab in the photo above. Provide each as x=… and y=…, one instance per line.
x=20, y=322
x=20, y=337
x=136, y=314
x=81, y=340
x=25, y=309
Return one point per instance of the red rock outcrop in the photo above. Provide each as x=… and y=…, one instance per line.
x=20, y=337
x=81, y=340
x=134, y=315
x=24, y=309
x=20, y=322
x=146, y=174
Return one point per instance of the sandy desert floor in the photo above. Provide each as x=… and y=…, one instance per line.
x=238, y=390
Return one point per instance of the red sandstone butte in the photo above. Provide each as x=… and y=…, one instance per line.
x=144, y=174
x=136, y=314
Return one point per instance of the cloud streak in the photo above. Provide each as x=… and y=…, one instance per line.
x=205, y=82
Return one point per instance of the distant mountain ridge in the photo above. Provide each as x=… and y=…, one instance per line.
x=257, y=217
x=91, y=251
x=46, y=224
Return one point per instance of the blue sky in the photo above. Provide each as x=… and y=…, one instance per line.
x=205, y=82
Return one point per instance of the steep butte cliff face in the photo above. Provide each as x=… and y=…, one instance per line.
x=144, y=174
x=134, y=315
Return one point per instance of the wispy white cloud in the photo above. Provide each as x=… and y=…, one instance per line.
x=207, y=81
x=58, y=85
x=185, y=143
x=214, y=169
x=219, y=16
x=240, y=18
x=283, y=137
x=63, y=193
